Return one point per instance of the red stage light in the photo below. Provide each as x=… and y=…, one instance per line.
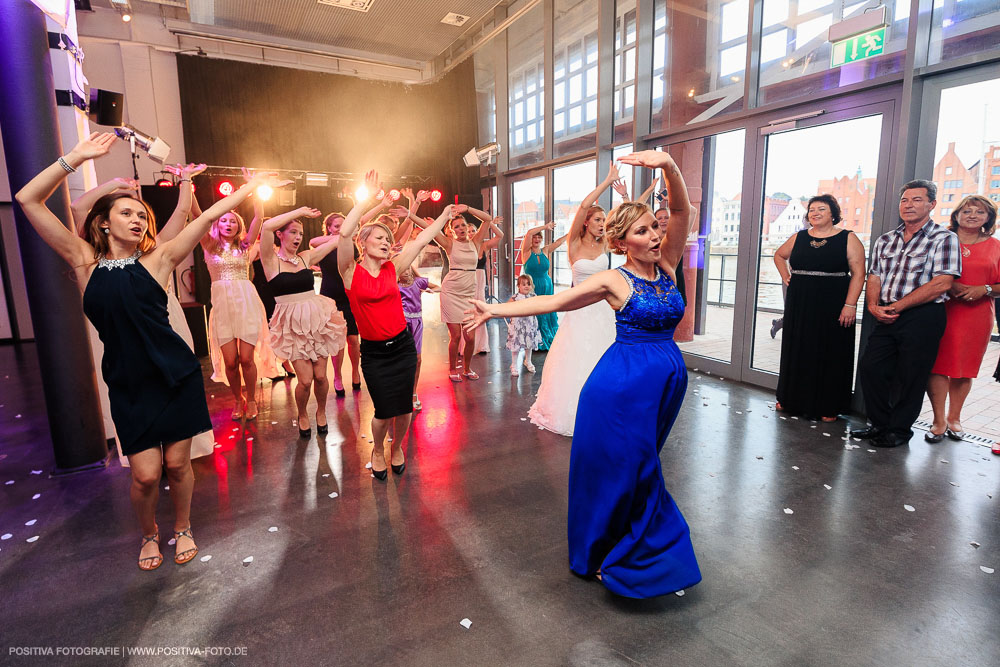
x=226, y=188
x=381, y=195
x=436, y=195
x=164, y=183
x=395, y=194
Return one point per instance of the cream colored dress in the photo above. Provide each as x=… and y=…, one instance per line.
x=458, y=288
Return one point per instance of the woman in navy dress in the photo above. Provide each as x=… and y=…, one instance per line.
x=154, y=379
x=623, y=526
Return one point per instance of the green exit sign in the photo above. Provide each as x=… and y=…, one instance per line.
x=866, y=45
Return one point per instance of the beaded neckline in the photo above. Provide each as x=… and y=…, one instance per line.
x=105, y=263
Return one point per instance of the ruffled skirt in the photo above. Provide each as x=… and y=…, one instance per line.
x=307, y=326
x=238, y=314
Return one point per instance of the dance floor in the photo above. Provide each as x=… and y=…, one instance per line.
x=815, y=550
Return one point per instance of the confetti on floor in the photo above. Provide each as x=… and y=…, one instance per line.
x=6, y=536
x=248, y=560
x=760, y=458
x=205, y=559
x=172, y=541
x=36, y=496
x=34, y=538
x=795, y=467
x=465, y=623
x=524, y=419
x=31, y=523
x=272, y=529
x=987, y=570
x=827, y=487
x=679, y=594
x=334, y=494
x=36, y=472
x=943, y=461
x=909, y=508
x=326, y=474
x=788, y=510
x=975, y=545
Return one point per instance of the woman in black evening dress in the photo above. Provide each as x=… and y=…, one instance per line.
x=154, y=380
x=332, y=286
x=817, y=345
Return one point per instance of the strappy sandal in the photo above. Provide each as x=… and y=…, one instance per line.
x=146, y=539
x=238, y=411
x=472, y=375
x=251, y=417
x=455, y=377
x=187, y=555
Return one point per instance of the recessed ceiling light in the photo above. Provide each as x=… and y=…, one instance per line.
x=356, y=5
x=454, y=19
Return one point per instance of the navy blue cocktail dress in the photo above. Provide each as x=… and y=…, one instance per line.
x=622, y=521
x=154, y=380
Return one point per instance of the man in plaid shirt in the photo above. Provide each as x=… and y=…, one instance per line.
x=912, y=268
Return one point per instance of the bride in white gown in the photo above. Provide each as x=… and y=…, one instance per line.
x=584, y=335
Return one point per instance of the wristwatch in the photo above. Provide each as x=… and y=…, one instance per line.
x=989, y=290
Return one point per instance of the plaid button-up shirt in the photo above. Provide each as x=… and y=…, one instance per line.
x=903, y=267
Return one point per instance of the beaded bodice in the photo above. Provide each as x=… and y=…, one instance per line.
x=653, y=307
x=228, y=263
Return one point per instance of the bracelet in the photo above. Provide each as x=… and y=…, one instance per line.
x=65, y=165
x=847, y=305
x=184, y=180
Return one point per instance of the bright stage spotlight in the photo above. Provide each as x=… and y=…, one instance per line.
x=361, y=193
x=226, y=188
x=395, y=194
x=436, y=195
x=265, y=192
x=165, y=183
x=381, y=194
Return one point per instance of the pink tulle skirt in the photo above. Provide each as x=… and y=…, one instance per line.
x=238, y=314
x=307, y=326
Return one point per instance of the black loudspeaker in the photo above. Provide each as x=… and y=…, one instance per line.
x=106, y=107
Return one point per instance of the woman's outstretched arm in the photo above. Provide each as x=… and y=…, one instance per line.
x=410, y=251
x=345, y=246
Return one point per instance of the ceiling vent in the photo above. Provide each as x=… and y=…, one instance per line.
x=179, y=4
x=454, y=19
x=356, y=5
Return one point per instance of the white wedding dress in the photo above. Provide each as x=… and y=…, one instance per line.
x=584, y=336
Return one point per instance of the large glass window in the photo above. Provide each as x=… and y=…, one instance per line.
x=526, y=88
x=529, y=211
x=570, y=184
x=486, y=99
x=963, y=27
x=796, y=58
x=574, y=76
x=699, y=59
x=625, y=37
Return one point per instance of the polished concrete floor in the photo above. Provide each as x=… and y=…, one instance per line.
x=810, y=551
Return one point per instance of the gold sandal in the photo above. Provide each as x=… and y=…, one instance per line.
x=187, y=555
x=146, y=539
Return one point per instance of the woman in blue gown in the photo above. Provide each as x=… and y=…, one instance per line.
x=535, y=262
x=623, y=526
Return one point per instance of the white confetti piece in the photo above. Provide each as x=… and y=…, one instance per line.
x=334, y=494
x=368, y=466
x=788, y=510
x=783, y=417
x=36, y=472
x=679, y=594
x=6, y=536
x=326, y=474
x=872, y=451
x=34, y=538
x=8, y=482
x=846, y=438
x=987, y=570
x=248, y=560
x=36, y=496
x=975, y=545
x=173, y=540
x=31, y=523
x=909, y=508
x=205, y=559
x=250, y=439
x=826, y=434
x=166, y=488
x=813, y=426
x=232, y=437
x=795, y=467
x=524, y=419
x=738, y=412
x=274, y=423
x=465, y=623
x=856, y=439
x=17, y=416
x=827, y=487
x=272, y=529
x=795, y=418
x=218, y=446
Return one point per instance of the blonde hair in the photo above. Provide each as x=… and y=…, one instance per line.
x=99, y=212
x=330, y=218
x=367, y=230
x=620, y=220
x=590, y=214
x=528, y=279
x=215, y=240
x=991, y=213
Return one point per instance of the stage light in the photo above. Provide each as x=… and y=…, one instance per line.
x=436, y=195
x=156, y=148
x=226, y=188
x=381, y=195
x=361, y=193
x=482, y=155
x=265, y=192
x=165, y=183
x=126, y=18
x=395, y=194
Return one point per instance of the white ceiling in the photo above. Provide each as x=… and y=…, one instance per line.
x=396, y=29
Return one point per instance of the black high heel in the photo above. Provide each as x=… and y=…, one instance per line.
x=380, y=475
x=356, y=386
x=322, y=430
x=305, y=432
x=398, y=470
x=340, y=392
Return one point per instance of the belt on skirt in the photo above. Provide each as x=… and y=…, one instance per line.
x=389, y=343
x=826, y=274
x=450, y=269
x=413, y=316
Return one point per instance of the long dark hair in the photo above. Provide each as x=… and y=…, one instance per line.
x=99, y=212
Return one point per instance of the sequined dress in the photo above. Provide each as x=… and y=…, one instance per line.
x=154, y=380
x=237, y=311
x=622, y=521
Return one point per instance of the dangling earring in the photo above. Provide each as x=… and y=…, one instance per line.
x=105, y=230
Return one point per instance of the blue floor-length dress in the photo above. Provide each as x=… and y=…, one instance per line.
x=537, y=267
x=622, y=521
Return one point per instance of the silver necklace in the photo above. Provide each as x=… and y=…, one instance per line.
x=105, y=263
x=294, y=261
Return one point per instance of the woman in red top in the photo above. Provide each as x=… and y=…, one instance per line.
x=388, y=355
x=970, y=312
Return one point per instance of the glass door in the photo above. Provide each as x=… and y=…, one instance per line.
x=839, y=153
x=570, y=184
x=529, y=201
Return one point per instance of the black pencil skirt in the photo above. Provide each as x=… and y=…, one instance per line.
x=390, y=368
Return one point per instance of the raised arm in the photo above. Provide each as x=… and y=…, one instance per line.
x=314, y=256
x=185, y=193
x=410, y=251
x=35, y=193
x=258, y=214
x=172, y=252
x=375, y=210
x=81, y=207
x=525, y=252
x=268, y=257
x=644, y=197
x=547, y=249
x=440, y=238
x=345, y=247
x=497, y=235
x=681, y=211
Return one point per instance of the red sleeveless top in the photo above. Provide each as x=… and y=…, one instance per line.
x=376, y=303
